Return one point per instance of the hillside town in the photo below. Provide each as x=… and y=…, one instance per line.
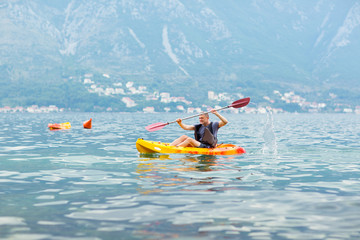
x=32, y=109
x=129, y=91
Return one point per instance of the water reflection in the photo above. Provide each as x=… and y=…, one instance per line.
x=152, y=162
x=163, y=173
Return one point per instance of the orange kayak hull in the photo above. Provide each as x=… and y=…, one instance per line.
x=144, y=146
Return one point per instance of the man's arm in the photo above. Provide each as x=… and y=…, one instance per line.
x=223, y=120
x=185, y=126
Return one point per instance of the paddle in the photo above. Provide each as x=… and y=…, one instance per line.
x=237, y=104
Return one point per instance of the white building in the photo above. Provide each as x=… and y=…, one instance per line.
x=165, y=97
x=149, y=110
x=119, y=91
x=180, y=107
x=117, y=84
x=88, y=81
x=129, y=102
x=211, y=95
x=109, y=91
x=129, y=84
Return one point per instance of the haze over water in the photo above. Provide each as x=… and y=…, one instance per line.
x=299, y=179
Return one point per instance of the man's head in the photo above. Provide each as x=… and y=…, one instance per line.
x=204, y=118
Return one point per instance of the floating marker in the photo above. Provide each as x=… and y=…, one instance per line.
x=87, y=124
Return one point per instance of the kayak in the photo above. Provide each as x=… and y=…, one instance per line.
x=144, y=146
x=58, y=126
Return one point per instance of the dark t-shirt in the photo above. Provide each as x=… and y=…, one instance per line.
x=215, y=127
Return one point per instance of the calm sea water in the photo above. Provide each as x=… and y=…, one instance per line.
x=300, y=179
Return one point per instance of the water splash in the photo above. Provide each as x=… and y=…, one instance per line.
x=270, y=145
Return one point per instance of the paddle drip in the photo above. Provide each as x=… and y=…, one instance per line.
x=269, y=137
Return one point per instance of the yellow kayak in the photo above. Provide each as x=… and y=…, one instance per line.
x=144, y=146
x=58, y=126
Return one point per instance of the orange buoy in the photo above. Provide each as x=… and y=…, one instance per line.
x=87, y=124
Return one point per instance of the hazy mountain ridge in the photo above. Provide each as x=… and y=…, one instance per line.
x=257, y=45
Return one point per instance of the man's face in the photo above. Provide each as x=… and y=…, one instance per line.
x=203, y=119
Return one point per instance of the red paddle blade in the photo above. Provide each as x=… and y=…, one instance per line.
x=240, y=103
x=155, y=126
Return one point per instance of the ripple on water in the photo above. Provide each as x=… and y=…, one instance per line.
x=8, y=220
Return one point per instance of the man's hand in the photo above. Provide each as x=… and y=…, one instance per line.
x=185, y=126
x=223, y=121
x=213, y=111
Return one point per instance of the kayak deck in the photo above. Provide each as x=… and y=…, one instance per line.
x=144, y=146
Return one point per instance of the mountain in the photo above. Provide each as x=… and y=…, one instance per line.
x=181, y=46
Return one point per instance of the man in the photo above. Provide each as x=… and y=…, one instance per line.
x=202, y=131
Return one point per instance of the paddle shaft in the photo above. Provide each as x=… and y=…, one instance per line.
x=199, y=114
